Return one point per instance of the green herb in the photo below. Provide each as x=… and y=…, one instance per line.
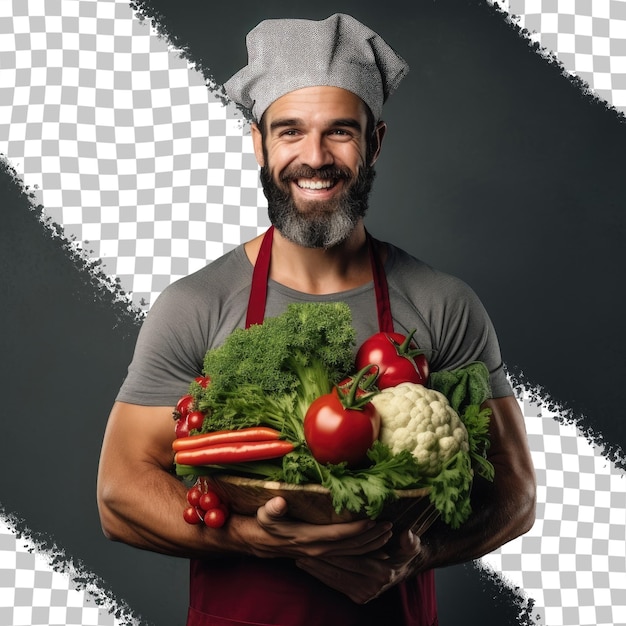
x=450, y=489
x=308, y=346
x=462, y=386
x=370, y=488
x=270, y=373
x=476, y=422
x=466, y=389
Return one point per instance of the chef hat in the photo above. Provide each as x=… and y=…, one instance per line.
x=289, y=54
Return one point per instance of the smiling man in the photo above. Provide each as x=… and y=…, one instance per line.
x=316, y=91
x=322, y=163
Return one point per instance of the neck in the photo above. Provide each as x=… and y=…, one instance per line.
x=316, y=270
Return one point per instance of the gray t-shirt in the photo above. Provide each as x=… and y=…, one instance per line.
x=198, y=312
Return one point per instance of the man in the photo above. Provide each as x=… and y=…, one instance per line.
x=316, y=91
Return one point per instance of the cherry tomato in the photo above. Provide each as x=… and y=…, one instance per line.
x=336, y=434
x=191, y=515
x=194, y=495
x=397, y=357
x=182, y=427
x=215, y=518
x=195, y=420
x=209, y=500
x=183, y=406
x=203, y=381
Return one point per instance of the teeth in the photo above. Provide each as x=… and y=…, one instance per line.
x=318, y=184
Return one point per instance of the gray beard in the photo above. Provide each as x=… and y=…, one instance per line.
x=323, y=224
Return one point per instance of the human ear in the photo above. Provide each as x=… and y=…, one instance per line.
x=377, y=140
x=257, y=142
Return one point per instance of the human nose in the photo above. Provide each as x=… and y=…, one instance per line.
x=315, y=153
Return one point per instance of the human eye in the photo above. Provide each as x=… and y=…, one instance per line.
x=288, y=133
x=341, y=133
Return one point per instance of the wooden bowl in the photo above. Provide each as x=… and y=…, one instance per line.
x=313, y=503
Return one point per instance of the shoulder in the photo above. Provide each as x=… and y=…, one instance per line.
x=223, y=275
x=204, y=304
x=418, y=281
x=218, y=286
x=190, y=316
x=451, y=321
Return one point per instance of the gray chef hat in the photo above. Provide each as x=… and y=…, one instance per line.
x=289, y=54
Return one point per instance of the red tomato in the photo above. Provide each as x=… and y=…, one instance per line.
x=191, y=515
x=195, y=420
x=209, y=500
x=397, y=357
x=194, y=495
x=336, y=434
x=183, y=406
x=203, y=381
x=215, y=518
x=182, y=427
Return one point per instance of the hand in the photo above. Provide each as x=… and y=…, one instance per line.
x=288, y=537
x=363, y=578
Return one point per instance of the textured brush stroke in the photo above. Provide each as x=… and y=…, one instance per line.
x=159, y=25
x=512, y=12
x=581, y=525
x=114, y=299
x=564, y=414
x=85, y=584
x=109, y=289
x=523, y=384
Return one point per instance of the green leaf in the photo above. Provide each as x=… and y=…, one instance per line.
x=369, y=489
x=463, y=386
x=450, y=490
x=476, y=422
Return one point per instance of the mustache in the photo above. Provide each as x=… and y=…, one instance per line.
x=324, y=173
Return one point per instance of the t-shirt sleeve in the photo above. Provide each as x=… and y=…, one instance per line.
x=169, y=351
x=465, y=333
x=452, y=325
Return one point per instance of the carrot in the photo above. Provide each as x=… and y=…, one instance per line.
x=234, y=452
x=253, y=433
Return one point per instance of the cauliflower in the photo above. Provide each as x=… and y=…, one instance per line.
x=421, y=420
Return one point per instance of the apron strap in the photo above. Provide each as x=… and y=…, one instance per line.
x=260, y=275
x=381, y=288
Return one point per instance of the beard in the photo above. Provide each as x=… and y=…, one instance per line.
x=321, y=224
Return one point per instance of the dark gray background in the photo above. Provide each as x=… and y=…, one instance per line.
x=495, y=168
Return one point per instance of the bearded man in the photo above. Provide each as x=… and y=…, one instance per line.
x=315, y=90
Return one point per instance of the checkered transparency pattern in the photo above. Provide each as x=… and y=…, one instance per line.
x=129, y=149
x=147, y=170
x=32, y=592
x=587, y=37
x=572, y=563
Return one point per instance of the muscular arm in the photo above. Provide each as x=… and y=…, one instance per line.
x=141, y=502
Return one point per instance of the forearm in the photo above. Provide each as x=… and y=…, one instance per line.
x=269, y=534
x=495, y=520
x=145, y=510
x=140, y=500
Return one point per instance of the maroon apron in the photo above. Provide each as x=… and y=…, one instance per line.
x=273, y=592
